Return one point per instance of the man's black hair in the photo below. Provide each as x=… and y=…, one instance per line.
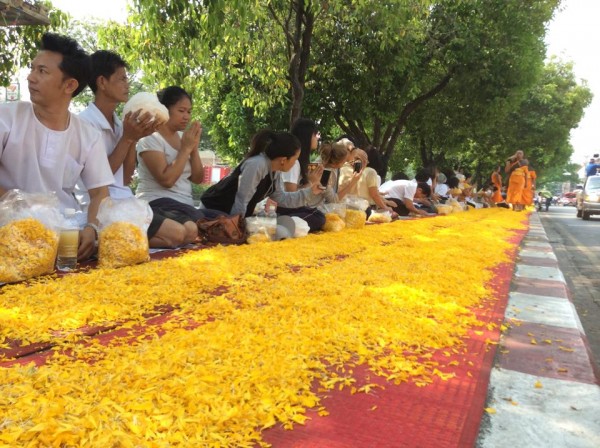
x=425, y=188
x=423, y=175
x=375, y=160
x=75, y=63
x=453, y=182
x=104, y=63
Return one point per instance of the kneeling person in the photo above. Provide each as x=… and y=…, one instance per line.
x=402, y=193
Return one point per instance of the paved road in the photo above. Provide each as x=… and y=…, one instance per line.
x=576, y=244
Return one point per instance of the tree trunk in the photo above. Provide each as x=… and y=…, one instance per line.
x=423, y=150
x=299, y=41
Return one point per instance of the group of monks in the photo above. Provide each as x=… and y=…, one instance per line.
x=521, y=182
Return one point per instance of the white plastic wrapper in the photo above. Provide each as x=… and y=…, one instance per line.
x=302, y=227
x=44, y=207
x=147, y=102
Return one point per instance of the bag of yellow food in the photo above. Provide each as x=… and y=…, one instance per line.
x=457, y=207
x=356, y=215
x=261, y=228
x=333, y=223
x=29, y=232
x=444, y=209
x=339, y=208
x=123, y=240
x=380, y=216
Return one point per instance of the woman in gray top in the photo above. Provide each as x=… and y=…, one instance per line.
x=258, y=177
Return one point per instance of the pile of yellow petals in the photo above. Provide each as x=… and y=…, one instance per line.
x=280, y=324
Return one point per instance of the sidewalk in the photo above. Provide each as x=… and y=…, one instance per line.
x=543, y=388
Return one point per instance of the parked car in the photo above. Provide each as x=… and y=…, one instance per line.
x=588, y=199
x=568, y=199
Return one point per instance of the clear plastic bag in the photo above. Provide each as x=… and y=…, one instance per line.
x=123, y=240
x=444, y=209
x=333, y=223
x=456, y=206
x=356, y=216
x=380, y=216
x=261, y=228
x=339, y=208
x=29, y=232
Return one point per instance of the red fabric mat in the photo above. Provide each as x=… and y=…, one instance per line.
x=442, y=414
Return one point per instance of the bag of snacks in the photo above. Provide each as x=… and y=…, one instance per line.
x=123, y=240
x=356, y=215
x=456, y=206
x=339, y=208
x=380, y=216
x=333, y=223
x=444, y=209
x=261, y=228
x=29, y=232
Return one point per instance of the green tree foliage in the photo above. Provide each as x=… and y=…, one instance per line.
x=20, y=43
x=543, y=122
x=486, y=52
x=538, y=121
x=362, y=67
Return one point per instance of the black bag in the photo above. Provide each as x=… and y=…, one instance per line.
x=223, y=230
x=221, y=195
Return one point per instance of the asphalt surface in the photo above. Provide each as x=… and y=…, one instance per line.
x=576, y=244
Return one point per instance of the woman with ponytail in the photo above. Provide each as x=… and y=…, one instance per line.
x=258, y=177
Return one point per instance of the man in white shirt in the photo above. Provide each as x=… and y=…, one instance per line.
x=402, y=193
x=110, y=85
x=43, y=147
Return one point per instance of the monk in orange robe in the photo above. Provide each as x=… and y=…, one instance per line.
x=529, y=191
x=497, y=182
x=517, y=181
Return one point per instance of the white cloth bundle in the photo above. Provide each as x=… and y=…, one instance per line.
x=147, y=102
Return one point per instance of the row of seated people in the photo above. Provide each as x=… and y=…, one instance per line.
x=47, y=148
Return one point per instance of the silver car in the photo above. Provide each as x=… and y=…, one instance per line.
x=588, y=199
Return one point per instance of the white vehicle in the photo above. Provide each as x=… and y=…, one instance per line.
x=588, y=199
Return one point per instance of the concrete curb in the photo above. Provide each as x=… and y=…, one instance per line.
x=543, y=390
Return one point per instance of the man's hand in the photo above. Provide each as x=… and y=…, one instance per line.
x=87, y=243
x=137, y=125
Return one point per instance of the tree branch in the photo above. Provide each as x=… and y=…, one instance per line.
x=411, y=106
